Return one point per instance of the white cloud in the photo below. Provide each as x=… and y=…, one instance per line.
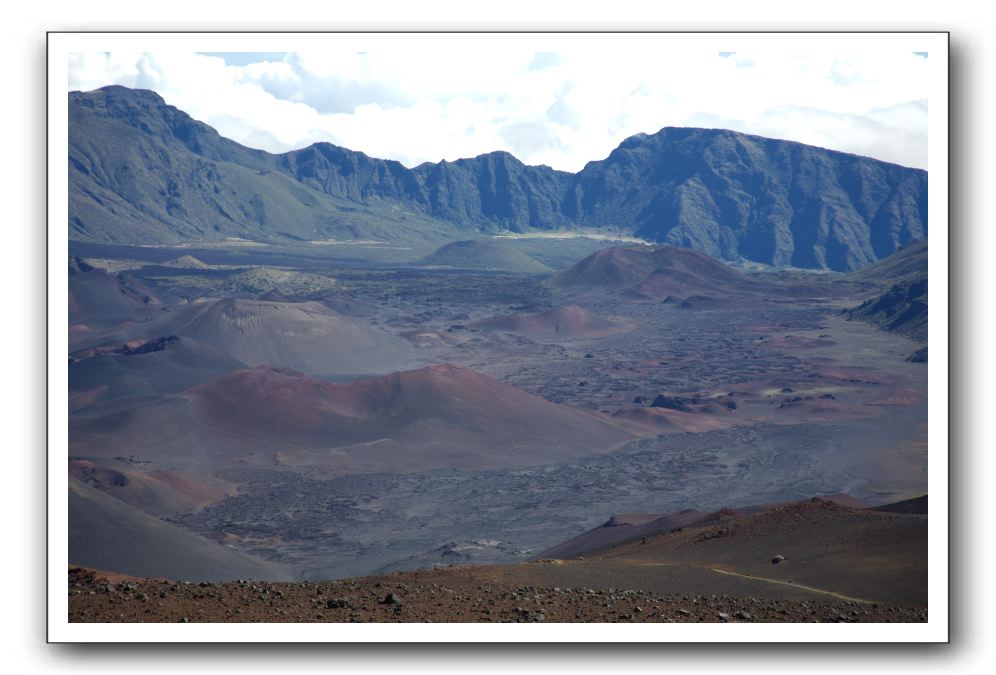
x=562, y=109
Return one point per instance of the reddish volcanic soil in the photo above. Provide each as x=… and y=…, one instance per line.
x=798, y=562
x=622, y=527
x=156, y=492
x=437, y=417
x=458, y=595
x=857, y=553
x=445, y=406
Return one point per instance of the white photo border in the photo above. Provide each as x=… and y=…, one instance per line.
x=935, y=630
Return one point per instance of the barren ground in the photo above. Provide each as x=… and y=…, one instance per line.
x=458, y=594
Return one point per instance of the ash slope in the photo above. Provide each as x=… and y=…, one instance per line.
x=305, y=336
x=667, y=273
x=485, y=255
x=435, y=417
x=869, y=555
x=909, y=263
x=165, y=365
x=108, y=534
x=626, y=527
x=621, y=528
x=836, y=564
x=902, y=309
x=143, y=172
x=96, y=295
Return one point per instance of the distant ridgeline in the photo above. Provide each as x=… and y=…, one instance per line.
x=143, y=172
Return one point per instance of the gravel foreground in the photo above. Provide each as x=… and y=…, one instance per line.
x=451, y=595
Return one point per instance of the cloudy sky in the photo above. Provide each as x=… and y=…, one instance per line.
x=561, y=108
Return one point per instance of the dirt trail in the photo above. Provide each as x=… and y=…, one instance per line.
x=752, y=577
x=840, y=596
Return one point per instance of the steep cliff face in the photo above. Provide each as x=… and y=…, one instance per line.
x=142, y=171
x=735, y=196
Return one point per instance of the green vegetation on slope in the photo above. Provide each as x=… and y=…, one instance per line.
x=143, y=172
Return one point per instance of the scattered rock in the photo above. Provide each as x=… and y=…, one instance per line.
x=462, y=599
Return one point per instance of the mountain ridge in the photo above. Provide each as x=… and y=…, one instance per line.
x=145, y=172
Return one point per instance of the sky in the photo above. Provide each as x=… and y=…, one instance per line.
x=562, y=109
